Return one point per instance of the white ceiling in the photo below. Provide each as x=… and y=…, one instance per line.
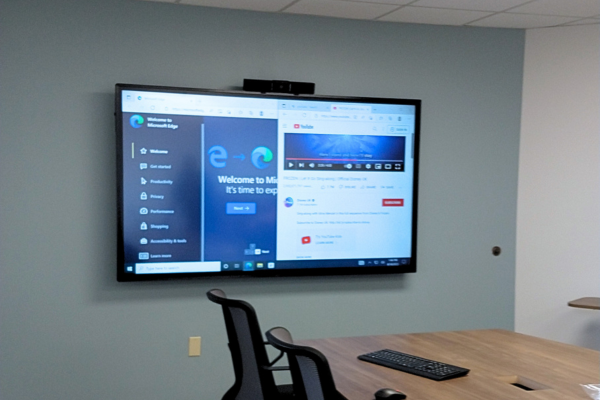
x=487, y=13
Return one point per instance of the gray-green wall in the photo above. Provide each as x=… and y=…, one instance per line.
x=68, y=330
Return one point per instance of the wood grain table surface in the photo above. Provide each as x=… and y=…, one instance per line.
x=497, y=359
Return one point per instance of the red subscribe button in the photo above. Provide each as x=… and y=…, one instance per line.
x=393, y=202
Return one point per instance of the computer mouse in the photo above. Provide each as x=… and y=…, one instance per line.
x=389, y=394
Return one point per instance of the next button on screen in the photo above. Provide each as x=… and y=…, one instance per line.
x=241, y=208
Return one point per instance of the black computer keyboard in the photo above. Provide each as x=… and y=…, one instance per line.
x=431, y=369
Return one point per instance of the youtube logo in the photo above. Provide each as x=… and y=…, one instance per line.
x=306, y=240
x=296, y=126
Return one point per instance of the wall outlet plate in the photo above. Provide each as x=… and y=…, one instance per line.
x=194, y=346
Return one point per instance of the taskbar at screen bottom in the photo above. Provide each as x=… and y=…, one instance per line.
x=212, y=267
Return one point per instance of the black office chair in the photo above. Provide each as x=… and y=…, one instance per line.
x=253, y=371
x=310, y=370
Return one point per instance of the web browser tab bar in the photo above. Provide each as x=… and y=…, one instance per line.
x=393, y=109
x=161, y=103
x=350, y=108
x=292, y=105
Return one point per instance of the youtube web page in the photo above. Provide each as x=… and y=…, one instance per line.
x=345, y=184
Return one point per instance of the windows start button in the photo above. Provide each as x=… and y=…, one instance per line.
x=393, y=202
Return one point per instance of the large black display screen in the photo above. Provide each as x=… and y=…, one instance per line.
x=222, y=183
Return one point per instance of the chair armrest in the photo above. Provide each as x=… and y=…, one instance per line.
x=272, y=368
x=276, y=358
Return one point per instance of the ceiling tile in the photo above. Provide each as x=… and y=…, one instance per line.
x=256, y=5
x=340, y=9
x=522, y=14
x=476, y=5
x=522, y=21
x=566, y=8
x=437, y=16
x=396, y=2
x=585, y=21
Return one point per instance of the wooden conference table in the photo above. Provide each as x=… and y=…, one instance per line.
x=593, y=303
x=497, y=359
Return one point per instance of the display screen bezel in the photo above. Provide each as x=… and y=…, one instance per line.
x=123, y=276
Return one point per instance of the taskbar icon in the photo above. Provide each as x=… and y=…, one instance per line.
x=246, y=265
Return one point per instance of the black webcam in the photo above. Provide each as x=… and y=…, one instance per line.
x=263, y=86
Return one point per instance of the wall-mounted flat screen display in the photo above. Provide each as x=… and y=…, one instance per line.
x=236, y=183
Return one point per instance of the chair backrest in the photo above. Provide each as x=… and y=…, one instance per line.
x=248, y=353
x=310, y=370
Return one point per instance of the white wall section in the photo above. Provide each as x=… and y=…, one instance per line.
x=558, y=217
